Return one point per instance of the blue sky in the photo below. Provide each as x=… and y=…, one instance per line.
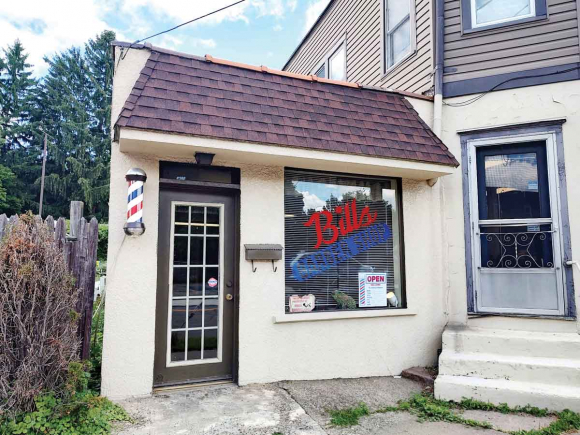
x=258, y=32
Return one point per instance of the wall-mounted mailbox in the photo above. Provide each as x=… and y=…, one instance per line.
x=263, y=252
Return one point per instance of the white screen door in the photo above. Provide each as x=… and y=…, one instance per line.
x=515, y=226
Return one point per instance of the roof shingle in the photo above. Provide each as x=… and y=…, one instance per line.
x=186, y=95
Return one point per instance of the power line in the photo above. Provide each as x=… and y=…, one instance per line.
x=480, y=96
x=123, y=55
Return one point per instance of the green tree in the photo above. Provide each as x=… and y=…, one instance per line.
x=9, y=202
x=19, y=140
x=75, y=101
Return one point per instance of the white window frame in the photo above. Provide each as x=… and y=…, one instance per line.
x=413, y=46
x=555, y=220
x=326, y=60
x=168, y=362
x=476, y=25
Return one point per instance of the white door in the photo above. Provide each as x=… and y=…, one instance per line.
x=516, y=242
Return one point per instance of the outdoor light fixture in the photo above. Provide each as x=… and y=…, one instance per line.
x=204, y=158
x=136, y=178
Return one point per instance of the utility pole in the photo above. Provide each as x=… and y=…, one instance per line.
x=42, y=177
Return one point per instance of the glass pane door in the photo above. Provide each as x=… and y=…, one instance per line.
x=195, y=312
x=518, y=268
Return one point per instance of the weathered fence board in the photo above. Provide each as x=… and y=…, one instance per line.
x=80, y=253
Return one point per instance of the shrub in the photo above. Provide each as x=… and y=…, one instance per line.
x=38, y=322
x=103, y=242
x=87, y=414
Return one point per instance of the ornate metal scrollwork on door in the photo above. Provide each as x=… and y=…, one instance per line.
x=517, y=250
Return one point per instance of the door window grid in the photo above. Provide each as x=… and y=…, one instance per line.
x=188, y=334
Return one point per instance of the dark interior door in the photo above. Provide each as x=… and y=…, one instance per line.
x=195, y=316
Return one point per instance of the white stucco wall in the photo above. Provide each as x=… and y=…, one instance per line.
x=335, y=348
x=270, y=351
x=502, y=108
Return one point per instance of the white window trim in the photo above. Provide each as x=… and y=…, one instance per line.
x=413, y=46
x=341, y=315
x=168, y=362
x=326, y=60
x=555, y=207
x=475, y=25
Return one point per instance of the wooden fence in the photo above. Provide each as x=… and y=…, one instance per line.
x=80, y=252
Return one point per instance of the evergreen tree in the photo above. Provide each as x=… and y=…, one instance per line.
x=72, y=104
x=75, y=102
x=10, y=203
x=19, y=140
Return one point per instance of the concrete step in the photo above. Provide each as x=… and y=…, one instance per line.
x=520, y=368
x=512, y=342
x=552, y=397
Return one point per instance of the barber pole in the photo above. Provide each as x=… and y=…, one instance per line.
x=136, y=179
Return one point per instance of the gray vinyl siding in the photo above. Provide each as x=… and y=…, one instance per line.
x=523, y=47
x=360, y=23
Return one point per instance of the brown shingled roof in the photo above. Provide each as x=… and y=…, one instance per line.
x=183, y=94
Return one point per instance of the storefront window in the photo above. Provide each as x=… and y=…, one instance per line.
x=342, y=242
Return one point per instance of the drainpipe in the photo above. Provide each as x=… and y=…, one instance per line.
x=438, y=130
x=438, y=77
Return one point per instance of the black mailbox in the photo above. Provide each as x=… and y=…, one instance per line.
x=263, y=252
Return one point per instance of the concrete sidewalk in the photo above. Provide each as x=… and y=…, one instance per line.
x=298, y=408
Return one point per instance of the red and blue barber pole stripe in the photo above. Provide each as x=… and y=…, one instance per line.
x=362, y=297
x=135, y=201
x=136, y=179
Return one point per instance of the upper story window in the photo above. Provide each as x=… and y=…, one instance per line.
x=478, y=14
x=399, y=33
x=333, y=66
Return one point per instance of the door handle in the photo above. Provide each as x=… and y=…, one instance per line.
x=229, y=297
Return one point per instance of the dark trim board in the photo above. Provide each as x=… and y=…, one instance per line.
x=531, y=128
x=519, y=79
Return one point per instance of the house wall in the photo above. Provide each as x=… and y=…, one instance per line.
x=520, y=47
x=502, y=108
x=360, y=22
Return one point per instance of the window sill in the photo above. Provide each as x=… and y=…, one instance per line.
x=499, y=26
x=392, y=69
x=338, y=315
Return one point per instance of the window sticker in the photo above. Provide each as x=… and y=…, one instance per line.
x=372, y=290
x=212, y=282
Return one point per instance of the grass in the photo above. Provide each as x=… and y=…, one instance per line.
x=427, y=408
x=349, y=416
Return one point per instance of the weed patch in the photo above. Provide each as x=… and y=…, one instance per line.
x=567, y=421
x=348, y=416
x=427, y=408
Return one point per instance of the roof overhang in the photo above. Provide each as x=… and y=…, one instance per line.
x=165, y=145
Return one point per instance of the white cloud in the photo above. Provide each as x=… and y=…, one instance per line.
x=313, y=11
x=312, y=202
x=292, y=5
x=45, y=27
x=277, y=28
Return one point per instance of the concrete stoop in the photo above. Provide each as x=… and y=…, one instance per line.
x=506, y=366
